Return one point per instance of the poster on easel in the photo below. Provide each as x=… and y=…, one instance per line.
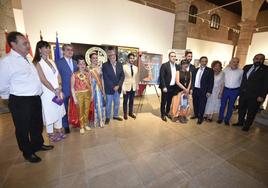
x=149, y=68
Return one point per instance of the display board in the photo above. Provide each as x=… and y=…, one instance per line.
x=149, y=68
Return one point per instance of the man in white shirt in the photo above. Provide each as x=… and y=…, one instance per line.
x=232, y=80
x=130, y=85
x=168, y=84
x=20, y=83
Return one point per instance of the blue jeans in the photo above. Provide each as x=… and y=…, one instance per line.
x=109, y=99
x=228, y=96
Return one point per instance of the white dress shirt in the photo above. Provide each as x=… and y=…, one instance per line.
x=198, y=77
x=18, y=77
x=232, y=77
x=114, y=67
x=173, y=74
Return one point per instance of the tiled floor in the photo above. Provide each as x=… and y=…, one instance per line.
x=145, y=152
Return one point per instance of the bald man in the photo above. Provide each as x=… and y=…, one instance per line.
x=253, y=91
x=232, y=81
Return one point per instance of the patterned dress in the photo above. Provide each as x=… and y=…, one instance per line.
x=98, y=97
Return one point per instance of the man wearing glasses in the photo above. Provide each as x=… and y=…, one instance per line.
x=113, y=77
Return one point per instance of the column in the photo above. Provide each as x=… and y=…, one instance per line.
x=181, y=23
x=7, y=21
x=250, y=10
x=246, y=31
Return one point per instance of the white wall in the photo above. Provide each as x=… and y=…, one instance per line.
x=115, y=22
x=213, y=50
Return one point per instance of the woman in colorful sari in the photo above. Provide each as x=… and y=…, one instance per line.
x=98, y=91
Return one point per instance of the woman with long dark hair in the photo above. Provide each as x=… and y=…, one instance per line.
x=52, y=97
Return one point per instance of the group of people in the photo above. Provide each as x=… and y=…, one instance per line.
x=55, y=95
x=214, y=91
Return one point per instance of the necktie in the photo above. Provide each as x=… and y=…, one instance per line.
x=70, y=65
x=132, y=73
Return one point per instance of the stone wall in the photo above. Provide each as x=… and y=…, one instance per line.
x=7, y=21
x=201, y=30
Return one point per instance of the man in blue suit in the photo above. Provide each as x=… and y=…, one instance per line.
x=203, y=81
x=113, y=77
x=66, y=66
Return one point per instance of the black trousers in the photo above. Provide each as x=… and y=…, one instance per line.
x=199, y=102
x=247, y=107
x=166, y=99
x=27, y=117
x=129, y=96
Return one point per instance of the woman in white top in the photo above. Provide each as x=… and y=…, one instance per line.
x=51, y=85
x=214, y=100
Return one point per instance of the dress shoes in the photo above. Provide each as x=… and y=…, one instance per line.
x=237, y=124
x=219, y=121
x=227, y=123
x=118, y=118
x=164, y=118
x=33, y=158
x=193, y=117
x=199, y=121
x=44, y=148
x=67, y=130
x=125, y=117
x=245, y=128
x=107, y=121
x=132, y=115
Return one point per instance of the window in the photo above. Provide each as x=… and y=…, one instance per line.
x=215, y=21
x=192, y=11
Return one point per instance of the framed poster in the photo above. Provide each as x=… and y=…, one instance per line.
x=123, y=51
x=149, y=68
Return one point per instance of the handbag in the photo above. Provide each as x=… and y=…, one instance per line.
x=57, y=100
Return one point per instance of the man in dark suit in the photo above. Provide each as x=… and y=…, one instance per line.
x=189, y=57
x=253, y=90
x=168, y=84
x=113, y=77
x=203, y=81
x=66, y=66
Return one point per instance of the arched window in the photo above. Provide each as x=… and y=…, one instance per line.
x=215, y=21
x=192, y=11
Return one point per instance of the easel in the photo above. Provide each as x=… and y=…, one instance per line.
x=140, y=105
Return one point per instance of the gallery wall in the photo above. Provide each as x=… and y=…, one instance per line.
x=115, y=22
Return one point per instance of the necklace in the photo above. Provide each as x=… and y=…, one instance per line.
x=81, y=76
